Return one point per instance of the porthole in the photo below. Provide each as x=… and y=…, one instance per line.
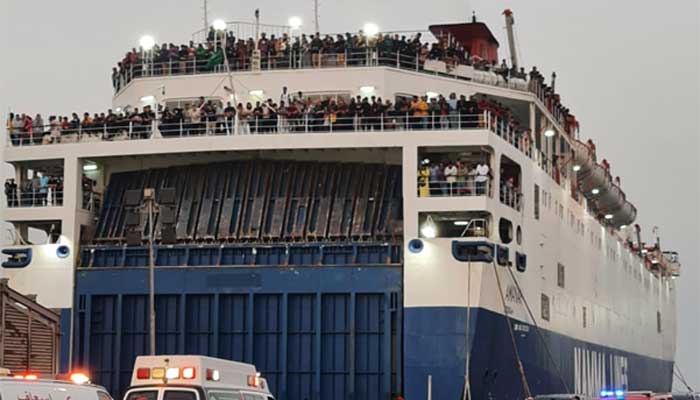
x=62, y=251
x=519, y=235
x=505, y=230
x=415, y=246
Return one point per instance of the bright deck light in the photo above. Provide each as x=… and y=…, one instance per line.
x=608, y=216
x=428, y=230
x=294, y=23
x=147, y=42
x=595, y=191
x=367, y=90
x=577, y=168
x=370, y=29
x=549, y=132
x=219, y=24
x=90, y=167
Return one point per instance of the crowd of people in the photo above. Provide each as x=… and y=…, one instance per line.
x=453, y=178
x=297, y=113
x=23, y=129
x=40, y=190
x=290, y=114
x=284, y=51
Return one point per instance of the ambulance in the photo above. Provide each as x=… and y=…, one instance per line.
x=195, y=378
x=75, y=386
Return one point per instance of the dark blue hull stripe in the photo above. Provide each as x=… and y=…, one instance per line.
x=434, y=344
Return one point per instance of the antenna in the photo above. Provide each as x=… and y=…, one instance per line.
x=206, y=18
x=316, y=27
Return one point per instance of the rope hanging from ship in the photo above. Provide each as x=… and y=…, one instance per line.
x=538, y=330
x=518, y=361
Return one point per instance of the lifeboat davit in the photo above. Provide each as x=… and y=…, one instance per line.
x=599, y=189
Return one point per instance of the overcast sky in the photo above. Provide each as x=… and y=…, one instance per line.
x=627, y=68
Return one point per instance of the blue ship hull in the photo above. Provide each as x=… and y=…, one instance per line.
x=335, y=330
x=435, y=345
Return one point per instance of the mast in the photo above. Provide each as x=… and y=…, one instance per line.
x=510, y=21
x=316, y=27
x=206, y=18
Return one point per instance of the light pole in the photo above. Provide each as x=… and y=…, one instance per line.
x=150, y=207
x=147, y=42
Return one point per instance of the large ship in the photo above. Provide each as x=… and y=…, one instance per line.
x=361, y=216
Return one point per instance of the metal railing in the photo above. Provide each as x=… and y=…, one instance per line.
x=367, y=57
x=223, y=126
x=47, y=135
x=42, y=197
x=511, y=197
x=462, y=186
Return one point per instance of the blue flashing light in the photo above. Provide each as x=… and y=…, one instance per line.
x=616, y=394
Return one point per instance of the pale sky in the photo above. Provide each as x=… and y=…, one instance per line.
x=628, y=69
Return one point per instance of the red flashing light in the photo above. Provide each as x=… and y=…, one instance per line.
x=188, y=373
x=254, y=380
x=143, y=373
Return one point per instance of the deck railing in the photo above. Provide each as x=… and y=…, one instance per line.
x=370, y=57
x=463, y=186
x=42, y=197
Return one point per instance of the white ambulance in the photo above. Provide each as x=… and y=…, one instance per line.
x=31, y=386
x=195, y=378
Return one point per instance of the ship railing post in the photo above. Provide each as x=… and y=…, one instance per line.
x=131, y=128
x=345, y=60
x=381, y=122
x=237, y=124
x=398, y=60
x=80, y=133
x=306, y=123
x=194, y=65
x=104, y=131
x=417, y=61
x=256, y=125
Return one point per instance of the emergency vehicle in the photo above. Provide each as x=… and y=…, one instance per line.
x=195, y=378
x=76, y=386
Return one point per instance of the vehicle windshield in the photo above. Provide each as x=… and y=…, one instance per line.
x=143, y=395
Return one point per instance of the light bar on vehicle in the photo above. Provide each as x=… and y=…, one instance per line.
x=79, y=378
x=168, y=373
x=27, y=377
x=254, y=380
x=213, y=375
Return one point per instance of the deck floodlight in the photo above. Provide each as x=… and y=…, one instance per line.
x=219, y=25
x=549, y=132
x=428, y=230
x=147, y=42
x=370, y=29
x=294, y=23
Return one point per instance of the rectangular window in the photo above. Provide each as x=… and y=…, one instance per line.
x=545, y=307
x=584, y=317
x=179, y=395
x=561, y=282
x=143, y=395
x=536, y=202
